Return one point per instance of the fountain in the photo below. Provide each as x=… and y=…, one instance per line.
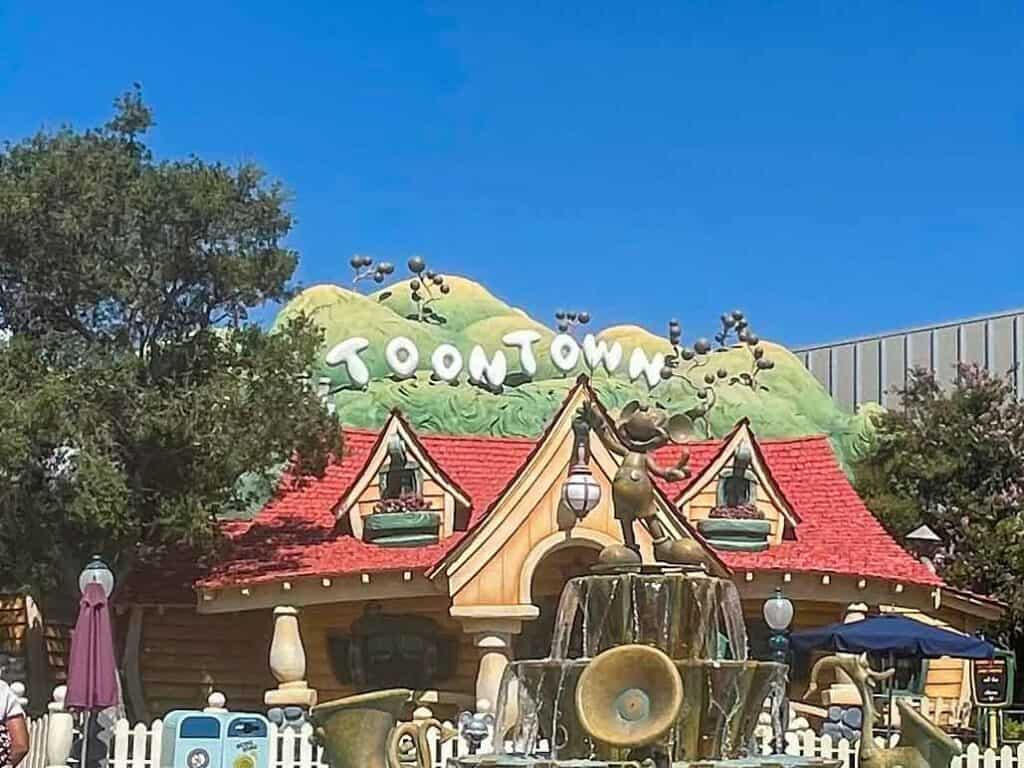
x=648, y=666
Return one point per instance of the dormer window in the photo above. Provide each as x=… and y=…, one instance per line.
x=737, y=485
x=736, y=523
x=400, y=475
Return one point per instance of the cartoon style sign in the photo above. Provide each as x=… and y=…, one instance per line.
x=447, y=361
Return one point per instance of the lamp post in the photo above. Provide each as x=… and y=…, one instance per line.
x=96, y=571
x=581, y=493
x=778, y=615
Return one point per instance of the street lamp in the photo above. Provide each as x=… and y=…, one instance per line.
x=581, y=492
x=778, y=615
x=97, y=571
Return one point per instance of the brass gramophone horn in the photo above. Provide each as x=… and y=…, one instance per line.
x=629, y=696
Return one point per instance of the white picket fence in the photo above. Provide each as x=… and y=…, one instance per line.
x=809, y=744
x=138, y=746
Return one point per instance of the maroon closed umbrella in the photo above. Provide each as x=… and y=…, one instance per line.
x=92, y=670
x=93, y=684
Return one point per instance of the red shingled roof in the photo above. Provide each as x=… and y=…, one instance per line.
x=836, y=533
x=295, y=535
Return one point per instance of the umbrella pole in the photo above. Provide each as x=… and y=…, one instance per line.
x=85, y=740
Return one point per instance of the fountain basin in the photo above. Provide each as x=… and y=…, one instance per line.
x=686, y=615
x=722, y=700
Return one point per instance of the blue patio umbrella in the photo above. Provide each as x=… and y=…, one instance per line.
x=894, y=634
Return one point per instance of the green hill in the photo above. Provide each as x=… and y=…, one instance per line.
x=794, y=404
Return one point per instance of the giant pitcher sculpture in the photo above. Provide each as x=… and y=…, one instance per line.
x=922, y=743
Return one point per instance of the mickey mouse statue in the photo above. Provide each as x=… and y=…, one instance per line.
x=639, y=430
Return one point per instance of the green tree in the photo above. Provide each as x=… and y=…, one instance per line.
x=954, y=459
x=135, y=395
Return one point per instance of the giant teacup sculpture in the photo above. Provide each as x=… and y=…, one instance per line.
x=922, y=743
x=363, y=731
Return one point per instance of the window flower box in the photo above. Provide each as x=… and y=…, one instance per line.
x=741, y=528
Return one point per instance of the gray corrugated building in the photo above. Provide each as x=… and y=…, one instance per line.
x=871, y=369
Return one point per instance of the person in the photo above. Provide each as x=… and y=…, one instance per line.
x=13, y=728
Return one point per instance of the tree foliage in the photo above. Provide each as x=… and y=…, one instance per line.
x=954, y=459
x=134, y=393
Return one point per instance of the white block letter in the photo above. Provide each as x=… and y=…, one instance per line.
x=446, y=362
x=347, y=353
x=402, y=356
x=639, y=366
x=483, y=371
x=565, y=352
x=599, y=353
x=525, y=341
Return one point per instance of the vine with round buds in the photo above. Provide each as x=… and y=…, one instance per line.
x=685, y=363
x=425, y=287
x=366, y=269
x=568, y=322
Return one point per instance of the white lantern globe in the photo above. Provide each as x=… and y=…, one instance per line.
x=97, y=572
x=778, y=612
x=581, y=492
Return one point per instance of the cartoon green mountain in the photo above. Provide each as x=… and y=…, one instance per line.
x=791, y=404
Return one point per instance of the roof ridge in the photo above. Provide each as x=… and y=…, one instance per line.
x=815, y=438
x=423, y=435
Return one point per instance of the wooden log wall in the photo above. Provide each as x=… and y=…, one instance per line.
x=13, y=625
x=319, y=622
x=184, y=655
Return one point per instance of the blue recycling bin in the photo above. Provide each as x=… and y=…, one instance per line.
x=197, y=739
x=246, y=742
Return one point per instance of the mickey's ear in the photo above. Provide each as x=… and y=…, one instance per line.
x=489, y=718
x=679, y=428
x=629, y=409
x=464, y=718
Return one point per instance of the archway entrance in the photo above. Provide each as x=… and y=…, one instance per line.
x=549, y=578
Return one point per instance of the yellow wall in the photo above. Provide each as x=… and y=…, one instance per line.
x=498, y=581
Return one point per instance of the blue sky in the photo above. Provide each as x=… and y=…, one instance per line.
x=833, y=168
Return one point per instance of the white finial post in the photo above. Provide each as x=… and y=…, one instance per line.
x=60, y=730
x=288, y=662
x=216, y=703
x=18, y=689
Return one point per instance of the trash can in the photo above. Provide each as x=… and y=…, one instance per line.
x=196, y=739
x=247, y=742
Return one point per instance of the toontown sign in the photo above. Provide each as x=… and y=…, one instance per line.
x=565, y=352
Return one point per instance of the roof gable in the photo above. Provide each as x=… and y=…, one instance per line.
x=835, y=533
x=508, y=513
x=396, y=426
x=727, y=448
